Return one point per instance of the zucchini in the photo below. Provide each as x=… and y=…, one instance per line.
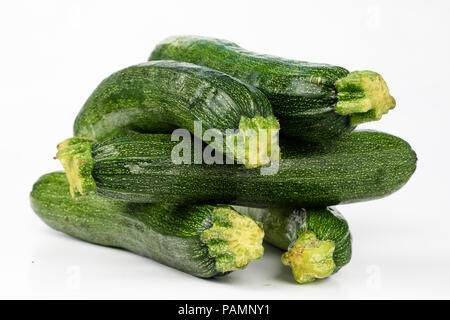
x=313, y=102
x=318, y=241
x=361, y=166
x=204, y=241
x=160, y=96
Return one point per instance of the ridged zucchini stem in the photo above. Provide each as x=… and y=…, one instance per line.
x=233, y=240
x=310, y=258
x=256, y=143
x=364, y=96
x=75, y=155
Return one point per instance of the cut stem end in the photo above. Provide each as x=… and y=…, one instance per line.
x=364, y=96
x=256, y=143
x=75, y=155
x=233, y=240
x=310, y=258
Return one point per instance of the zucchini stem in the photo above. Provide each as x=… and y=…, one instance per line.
x=364, y=96
x=310, y=258
x=256, y=143
x=233, y=240
x=75, y=155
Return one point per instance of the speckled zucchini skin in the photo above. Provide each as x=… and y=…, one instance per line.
x=282, y=226
x=361, y=166
x=167, y=233
x=160, y=96
x=302, y=94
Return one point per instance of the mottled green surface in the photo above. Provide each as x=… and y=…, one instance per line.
x=361, y=166
x=282, y=227
x=302, y=94
x=160, y=96
x=168, y=233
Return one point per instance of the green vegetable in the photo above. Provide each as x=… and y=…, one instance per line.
x=204, y=241
x=361, y=166
x=318, y=241
x=314, y=102
x=160, y=96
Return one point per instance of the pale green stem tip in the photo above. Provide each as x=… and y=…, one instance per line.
x=256, y=143
x=75, y=155
x=364, y=96
x=310, y=258
x=233, y=240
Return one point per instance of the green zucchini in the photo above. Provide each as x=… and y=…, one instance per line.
x=318, y=241
x=313, y=102
x=204, y=241
x=361, y=166
x=160, y=96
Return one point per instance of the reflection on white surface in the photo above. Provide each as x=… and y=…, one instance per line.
x=385, y=264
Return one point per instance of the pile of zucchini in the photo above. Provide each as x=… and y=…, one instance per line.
x=122, y=187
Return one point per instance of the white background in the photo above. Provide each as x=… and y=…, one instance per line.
x=54, y=53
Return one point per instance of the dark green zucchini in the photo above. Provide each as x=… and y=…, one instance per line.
x=204, y=241
x=318, y=241
x=160, y=96
x=313, y=102
x=361, y=166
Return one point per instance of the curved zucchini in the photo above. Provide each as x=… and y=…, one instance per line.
x=204, y=241
x=160, y=96
x=361, y=166
x=313, y=102
x=318, y=241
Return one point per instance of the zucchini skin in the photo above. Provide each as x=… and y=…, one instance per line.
x=283, y=225
x=302, y=94
x=361, y=166
x=160, y=96
x=168, y=233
